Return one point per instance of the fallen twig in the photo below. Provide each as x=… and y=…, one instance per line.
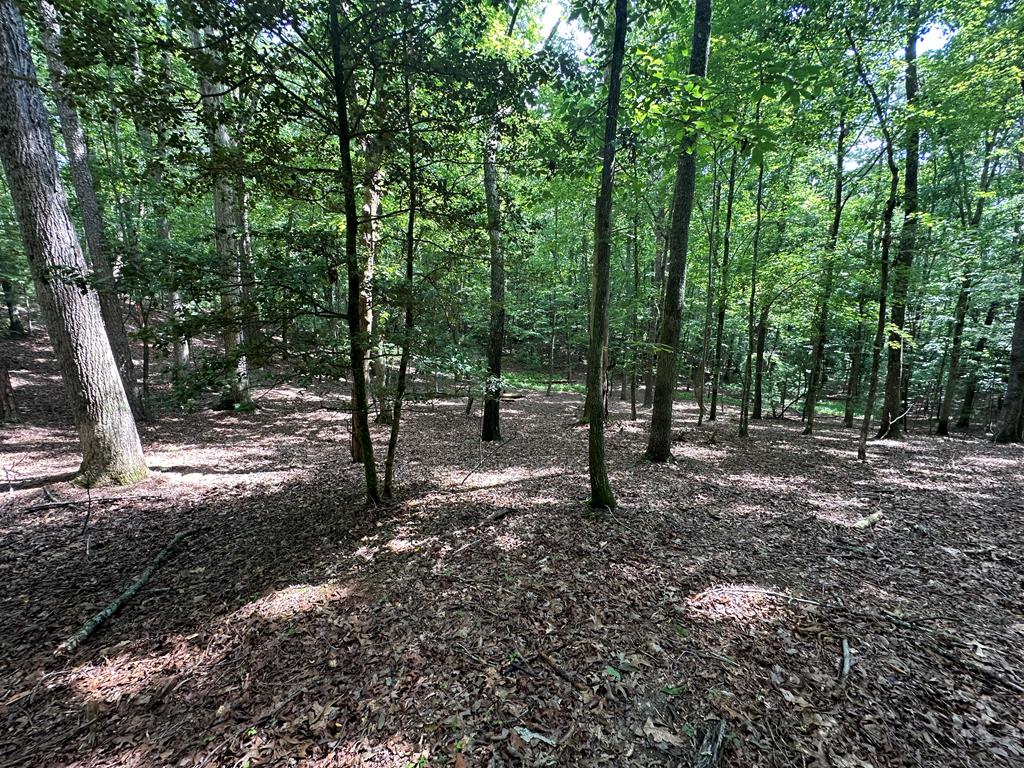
x=96, y=620
x=553, y=665
x=846, y=662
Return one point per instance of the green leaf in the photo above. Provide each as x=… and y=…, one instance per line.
x=613, y=672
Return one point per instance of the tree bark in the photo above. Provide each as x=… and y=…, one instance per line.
x=491, y=429
x=88, y=205
x=15, y=325
x=656, y=293
x=229, y=237
x=111, y=451
x=893, y=417
x=821, y=319
x=1008, y=430
x=601, y=495
x=659, y=446
x=751, y=308
x=357, y=340
x=723, y=287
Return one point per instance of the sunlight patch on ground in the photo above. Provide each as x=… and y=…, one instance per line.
x=293, y=600
x=739, y=603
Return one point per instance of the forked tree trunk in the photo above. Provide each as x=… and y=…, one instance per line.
x=111, y=451
x=88, y=205
x=659, y=446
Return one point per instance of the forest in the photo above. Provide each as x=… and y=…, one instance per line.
x=419, y=383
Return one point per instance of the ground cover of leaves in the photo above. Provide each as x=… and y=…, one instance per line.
x=485, y=618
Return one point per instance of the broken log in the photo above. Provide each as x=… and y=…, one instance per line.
x=98, y=619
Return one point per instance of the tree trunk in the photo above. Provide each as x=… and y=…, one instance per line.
x=709, y=297
x=970, y=391
x=723, y=287
x=656, y=294
x=357, y=340
x=228, y=236
x=659, y=446
x=1008, y=429
x=407, y=299
x=893, y=416
x=88, y=205
x=491, y=429
x=601, y=495
x=8, y=407
x=959, y=316
x=111, y=451
x=751, y=329
x=16, y=326
x=759, y=368
x=821, y=320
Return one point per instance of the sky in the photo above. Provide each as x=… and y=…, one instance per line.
x=933, y=39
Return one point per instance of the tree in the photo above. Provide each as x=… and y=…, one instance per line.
x=659, y=446
x=894, y=414
x=601, y=495
x=89, y=205
x=111, y=451
x=357, y=339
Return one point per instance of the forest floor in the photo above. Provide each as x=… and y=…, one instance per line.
x=485, y=618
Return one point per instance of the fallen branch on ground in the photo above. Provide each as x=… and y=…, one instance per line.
x=869, y=521
x=710, y=751
x=94, y=623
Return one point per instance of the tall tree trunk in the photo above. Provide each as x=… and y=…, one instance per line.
x=893, y=416
x=601, y=495
x=407, y=299
x=491, y=429
x=709, y=296
x=971, y=389
x=821, y=318
x=723, y=287
x=88, y=205
x=751, y=330
x=659, y=446
x=964, y=297
x=1008, y=430
x=660, y=245
x=959, y=316
x=357, y=340
x=111, y=451
x=16, y=326
x=228, y=235
x=759, y=367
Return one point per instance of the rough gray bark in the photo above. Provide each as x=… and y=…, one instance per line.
x=111, y=451
x=659, y=446
x=228, y=235
x=88, y=204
